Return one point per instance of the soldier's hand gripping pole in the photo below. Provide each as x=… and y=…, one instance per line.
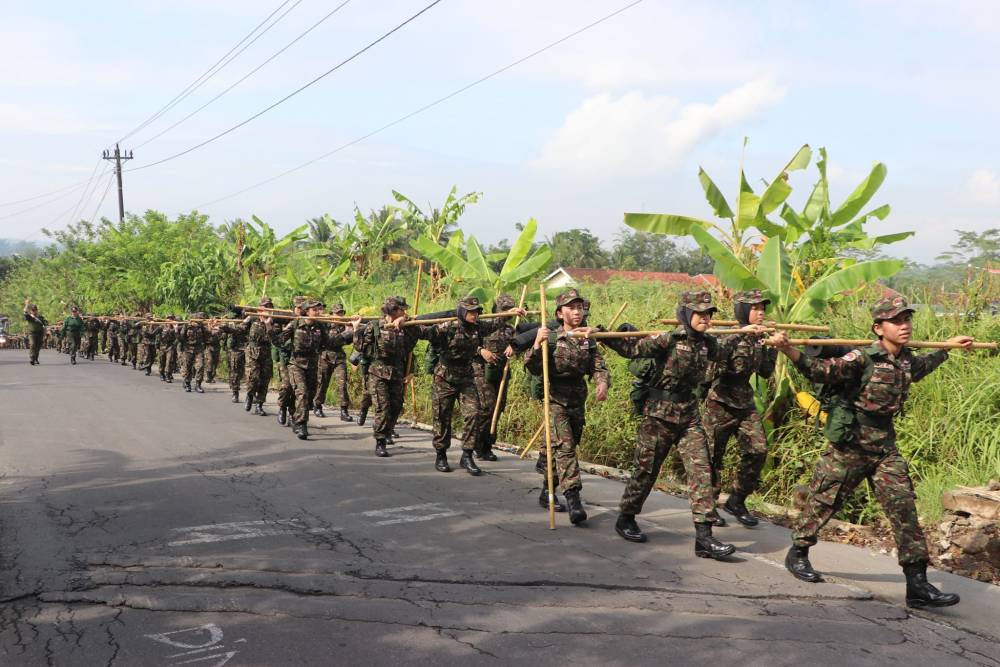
x=548, y=423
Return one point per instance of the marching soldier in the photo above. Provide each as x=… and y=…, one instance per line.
x=730, y=409
x=671, y=416
x=236, y=355
x=72, y=329
x=361, y=361
x=259, y=334
x=571, y=361
x=333, y=364
x=36, y=330
x=871, y=388
x=147, y=337
x=213, y=350
x=487, y=370
x=193, y=337
x=304, y=338
x=123, y=334
x=166, y=350
x=281, y=353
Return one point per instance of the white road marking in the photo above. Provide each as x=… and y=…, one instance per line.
x=410, y=513
x=240, y=530
x=213, y=643
x=214, y=636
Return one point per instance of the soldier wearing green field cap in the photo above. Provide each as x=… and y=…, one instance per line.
x=871, y=384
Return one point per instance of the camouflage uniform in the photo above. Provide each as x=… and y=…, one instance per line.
x=193, y=337
x=388, y=350
x=71, y=330
x=487, y=376
x=571, y=360
x=102, y=337
x=333, y=363
x=134, y=334
x=362, y=363
x=36, y=333
x=258, y=356
x=730, y=409
x=213, y=349
x=878, y=385
x=670, y=415
x=166, y=351
x=304, y=340
x=148, y=347
x=113, y=348
x=92, y=328
x=123, y=333
x=281, y=354
x=236, y=353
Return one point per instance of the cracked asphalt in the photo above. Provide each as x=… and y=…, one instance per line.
x=140, y=525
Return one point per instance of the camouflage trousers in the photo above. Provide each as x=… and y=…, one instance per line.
x=304, y=375
x=102, y=341
x=166, y=360
x=443, y=397
x=113, y=350
x=566, y=425
x=237, y=367
x=839, y=471
x=211, y=362
x=656, y=437
x=193, y=365
x=147, y=355
x=123, y=349
x=387, y=398
x=332, y=367
x=259, y=370
x=286, y=394
x=35, y=344
x=366, y=394
x=488, y=396
x=133, y=351
x=86, y=346
x=722, y=422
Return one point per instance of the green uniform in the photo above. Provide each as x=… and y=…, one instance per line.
x=72, y=329
x=36, y=334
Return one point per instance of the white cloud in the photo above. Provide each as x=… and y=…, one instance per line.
x=984, y=187
x=33, y=120
x=607, y=134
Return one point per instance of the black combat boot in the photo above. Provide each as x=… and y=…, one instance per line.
x=540, y=464
x=302, y=430
x=576, y=512
x=318, y=411
x=393, y=434
x=543, y=500
x=170, y=378
x=486, y=451
x=282, y=415
x=736, y=505
x=149, y=370
x=249, y=401
x=197, y=388
x=469, y=463
x=380, y=450
x=259, y=410
x=236, y=396
x=797, y=562
x=362, y=416
x=717, y=521
x=187, y=386
x=345, y=416
x=629, y=529
x=441, y=462
x=921, y=593
x=706, y=546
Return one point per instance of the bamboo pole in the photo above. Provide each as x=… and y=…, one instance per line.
x=617, y=315
x=527, y=447
x=815, y=328
x=545, y=415
x=409, y=359
x=864, y=342
x=643, y=334
x=506, y=370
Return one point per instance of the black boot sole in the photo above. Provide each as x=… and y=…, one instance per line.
x=809, y=579
x=748, y=520
x=929, y=604
x=705, y=553
x=638, y=539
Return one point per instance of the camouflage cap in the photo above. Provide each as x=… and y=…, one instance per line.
x=338, y=308
x=266, y=302
x=569, y=296
x=699, y=302
x=297, y=301
x=752, y=297
x=197, y=315
x=470, y=303
x=394, y=302
x=890, y=307
x=311, y=303
x=171, y=316
x=504, y=302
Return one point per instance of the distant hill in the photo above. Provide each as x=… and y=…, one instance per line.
x=12, y=246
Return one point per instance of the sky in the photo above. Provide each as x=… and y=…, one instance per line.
x=618, y=118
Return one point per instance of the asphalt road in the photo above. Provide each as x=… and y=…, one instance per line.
x=140, y=525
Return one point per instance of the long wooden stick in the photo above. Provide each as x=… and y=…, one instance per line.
x=545, y=416
x=863, y=342
x=643, y=334
x=506, y=370
x=617, y=315
x=527, y=447
x=409, y=359
x=815, y=328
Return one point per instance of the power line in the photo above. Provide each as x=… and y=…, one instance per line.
x=208, y=74
x=84, y=195
x=248, y=75
x=103, y=197
x=426, y=107
x=71, y=186
x=64, y=194
x=295, y=92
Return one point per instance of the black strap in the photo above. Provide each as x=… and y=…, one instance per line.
x=672, y=396
x=883, y=423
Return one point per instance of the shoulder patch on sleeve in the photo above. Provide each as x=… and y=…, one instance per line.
x=851, y=356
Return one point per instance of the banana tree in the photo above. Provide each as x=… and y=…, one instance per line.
x=264, y=254
x=472, y=275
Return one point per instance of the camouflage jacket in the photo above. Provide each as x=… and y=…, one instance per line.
x=877, y=395
x=148, y=335
x=571, y=360
x=338, y=335
x=458, y=346
x=745, y=356
x=238, y=334
x=193, y=337
x=213, y=338
x=304, y=340
x=165, y=337
x=496, y=342
x=388, y=349
x=681, y=369
x=258, y=334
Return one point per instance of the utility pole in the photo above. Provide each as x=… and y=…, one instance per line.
x=118, y=156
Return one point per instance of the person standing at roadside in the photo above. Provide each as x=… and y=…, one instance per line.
x=36, y=330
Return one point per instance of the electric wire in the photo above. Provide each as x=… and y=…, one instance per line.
x=247, y=75
x=426, y=107
x=284, y=99
x=208, y=74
